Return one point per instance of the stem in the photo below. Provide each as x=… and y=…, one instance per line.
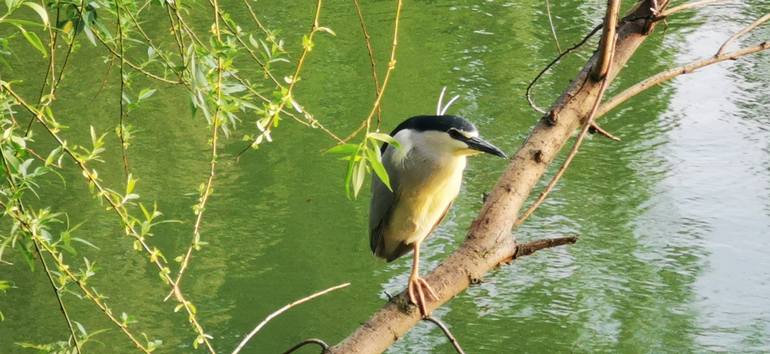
x=121, y=134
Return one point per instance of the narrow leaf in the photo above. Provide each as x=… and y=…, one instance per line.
x=40, y=11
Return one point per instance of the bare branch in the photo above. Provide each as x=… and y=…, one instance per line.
x=322, y=344
x=595, y=128
x=447, y=333
x=534, y=246
x=740, y=33
x=551, y=64
x=689, y=6
x=672, y=73
x=553, y=28
x=608, y=52
x=607, y=41
x=282, y=310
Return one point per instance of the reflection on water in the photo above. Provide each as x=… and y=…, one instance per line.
x=674, y=220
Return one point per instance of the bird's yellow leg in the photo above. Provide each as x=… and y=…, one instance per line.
x=418, y=286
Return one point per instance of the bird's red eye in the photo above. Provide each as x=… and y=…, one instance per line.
x=456, y=134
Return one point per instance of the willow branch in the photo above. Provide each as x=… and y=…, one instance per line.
x=18, y=215
x=200, y=208
x=282, y=310
x=121, y=125
x=391, y=65
x=370, y=51
x=62, y=308
x=12, y=183
x=129, y=228
x=294, y=78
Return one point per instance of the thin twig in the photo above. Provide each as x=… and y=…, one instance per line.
x=132, y=64
x=529, y=248
x=370, y=51
x=672, y=73
x=553, y=28
x=447, y=333
x=551, y=64
x=609, y=48
x=391, y=65
x=55, y=81
x=58, y=295
x=121, y=132
x=282, y=310
x=688, y=6
x=321, y=343
x=595, y=128
x=740, y=33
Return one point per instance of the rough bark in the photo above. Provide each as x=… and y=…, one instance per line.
x=489, y=242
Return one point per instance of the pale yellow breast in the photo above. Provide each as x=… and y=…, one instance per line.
x=421, y=204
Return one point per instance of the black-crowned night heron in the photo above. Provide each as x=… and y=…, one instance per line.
x=425, y=175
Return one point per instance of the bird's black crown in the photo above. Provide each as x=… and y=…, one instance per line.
x=436, y=123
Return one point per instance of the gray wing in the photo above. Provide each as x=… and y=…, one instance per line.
x=381, y=206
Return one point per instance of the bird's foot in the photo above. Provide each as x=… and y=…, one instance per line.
x=417, y=290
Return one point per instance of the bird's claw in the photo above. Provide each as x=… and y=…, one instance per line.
x=417, y=289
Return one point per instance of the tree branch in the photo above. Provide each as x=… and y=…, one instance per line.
x=322, y=344
x=534, y=246
x=608, y=40
x=740, y=33
x=672, y=73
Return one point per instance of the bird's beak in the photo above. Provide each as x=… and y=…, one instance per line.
x=482, y=145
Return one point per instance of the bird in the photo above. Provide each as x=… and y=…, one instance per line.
x=425, y=173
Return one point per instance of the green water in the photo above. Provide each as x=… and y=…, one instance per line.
x=674, y=220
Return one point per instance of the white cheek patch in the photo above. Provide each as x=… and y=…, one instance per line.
x=404, y=139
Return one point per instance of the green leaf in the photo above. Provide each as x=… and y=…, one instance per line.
x=146, y=93
x=327, y=30
x=344, y=149
x=307, y=43
x=385, y=138
x=40, y=11
x=35, y=41
x=349, y=175
x=358, y=177
x=375, y=160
